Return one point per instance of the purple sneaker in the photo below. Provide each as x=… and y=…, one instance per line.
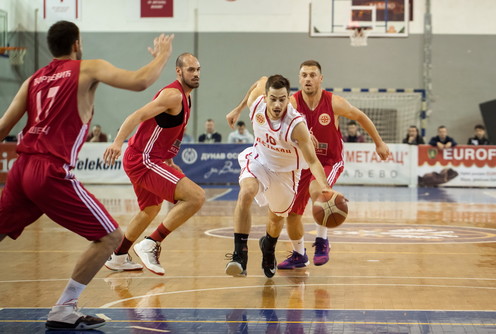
x=322, y=249
x=295, y=260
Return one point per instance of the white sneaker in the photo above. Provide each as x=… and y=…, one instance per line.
x=122, y=263
x=149, y=252
x=69, y=317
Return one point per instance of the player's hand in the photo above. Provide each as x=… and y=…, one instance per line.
x=382, y=150
x=173, y=165
x=326, y=189
x=232, y=118
x=162, y=45
x=112, y=153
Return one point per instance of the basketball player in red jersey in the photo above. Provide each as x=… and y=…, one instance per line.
x=322, y=110
x=58, y=100
x=148, y=163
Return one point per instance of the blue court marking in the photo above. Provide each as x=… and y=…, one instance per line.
x=398, y=194
x=153, y=320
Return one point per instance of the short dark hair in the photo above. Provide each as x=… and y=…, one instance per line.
x=61, y=36
x=441, y=127
x=480, y=126
x=277, y=81
x=240, y=123
x=352, y=122
x=311, y=63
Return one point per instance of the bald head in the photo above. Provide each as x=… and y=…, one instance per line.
x=188, y=70
x=181, y=59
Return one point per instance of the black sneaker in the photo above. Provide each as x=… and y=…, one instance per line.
x=68, y=317
x=237, y=266
x=269, y=263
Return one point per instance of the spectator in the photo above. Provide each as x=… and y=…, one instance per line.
x=241, y=135
x=187, y=138
x=480, y=136
x=442, y=140
x=413, y=136
x=352, y=134
x=96, y=135
x=210, y=136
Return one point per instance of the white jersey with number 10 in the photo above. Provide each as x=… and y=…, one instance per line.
x=273, y=146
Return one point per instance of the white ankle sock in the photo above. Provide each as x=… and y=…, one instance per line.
x=299, y=245
x=71, y=293
x=321, y=231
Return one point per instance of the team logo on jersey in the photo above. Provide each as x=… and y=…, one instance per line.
x=325, y=119
x=260, y=119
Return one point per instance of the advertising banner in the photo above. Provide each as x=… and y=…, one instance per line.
x=461, y=166
x=91, y=169
x=157, y=8
x=8, y=156
x=210, y=163
x=362, y=165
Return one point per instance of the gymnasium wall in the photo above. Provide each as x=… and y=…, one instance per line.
x=239, y=41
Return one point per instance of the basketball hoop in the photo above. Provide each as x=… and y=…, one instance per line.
x=14, y=53
x=358, y=35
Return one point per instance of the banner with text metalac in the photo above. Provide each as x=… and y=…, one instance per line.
x=362, y=165
x=210, y=163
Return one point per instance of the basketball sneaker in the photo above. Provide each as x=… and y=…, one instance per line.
x=269, y=263
x=148, y=251
x=295, y=260
x=237, y=266
x=322, y=249
x=68, y=317
x=122, y=263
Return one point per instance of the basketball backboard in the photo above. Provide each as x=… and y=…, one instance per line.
x=383, y=18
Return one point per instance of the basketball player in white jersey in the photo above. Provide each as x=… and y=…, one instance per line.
x=270, y=169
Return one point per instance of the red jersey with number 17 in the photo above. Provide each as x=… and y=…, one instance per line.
x=54, y=126
x=321, y=123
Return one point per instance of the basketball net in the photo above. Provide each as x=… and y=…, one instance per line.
x=359, y=36
x=16, y=56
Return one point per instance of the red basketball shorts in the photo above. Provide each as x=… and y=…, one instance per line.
x=153, y=180
x=303, y=195
x=40, y=184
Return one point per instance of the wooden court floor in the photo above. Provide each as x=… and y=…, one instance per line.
x=407, y=260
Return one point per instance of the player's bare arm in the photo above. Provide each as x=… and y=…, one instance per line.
x=302, y=137
x=257, y=89
x=169, y=101
x=243, y=104
x=102, y=71
x=343, y=108
x=15, y=110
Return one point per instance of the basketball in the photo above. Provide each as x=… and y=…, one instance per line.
x=330, y=209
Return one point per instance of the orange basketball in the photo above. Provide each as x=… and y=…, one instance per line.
x=330, y=209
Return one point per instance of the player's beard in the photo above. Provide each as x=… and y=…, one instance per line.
x=190, y=83
x=310, y=91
